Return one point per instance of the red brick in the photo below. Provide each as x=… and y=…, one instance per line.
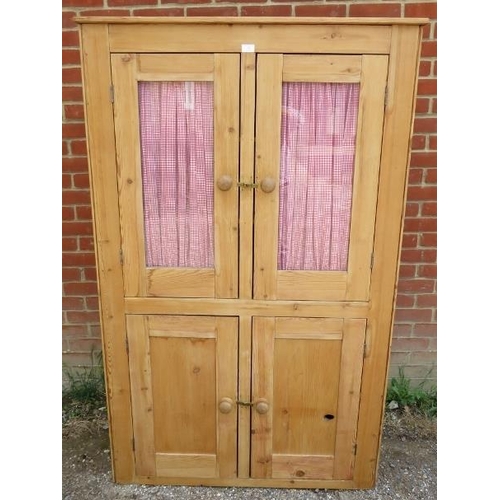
x=159, y=12
x=81, y=181
x=422, y=193
x=82, y=3
x=434, y=68
x=427, y=86
x=80, y=289
x=409, y=344
x=70, y=56
x=90, y=273
x=106, y=12
x=416, y=286
x=119, y=3
x=418, y=225
x=70, y=130
x=402, y=330
x=428, y=240
x=82, y=316
x=418, y=255
x=407, y=271
x=426, y=330
x=409, y=241
x=422, y=105
x=429, y=49
x=188, y=1
x=73, y=111
x=236, y=1
x=76, y=228
x=84, y=213
x=72, y=303
x=427, y=271
x=71, y=274
x=425, y=125
x=274, y=10
x=431, y=175
x=375, y=10
x=65, y=148
x=405, y=300
x=86, y=244
x=74, y=165
x=427, y=300
x=70, y=39
x=424, y=9
x=320, y=10
x=66, y=181
x=411, y=209
x=92, y=303
x=433, y=142
x=74, y=330
x=72, y=94
x=429, y=208
x=91, y=344
x=73, y=259
x=211, y=11
x=77, y=359
x=415, y=176
x=426, y=32
x=68, y=213
x=69, y=244
x=71, y=75
x=418, y=142
x=78, y=147
x=72, y=197
x=67, y=20
x=421, y=315
x=427, y=159
x=434, y=106
x=424, y=68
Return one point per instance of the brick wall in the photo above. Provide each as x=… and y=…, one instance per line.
x=414, y=343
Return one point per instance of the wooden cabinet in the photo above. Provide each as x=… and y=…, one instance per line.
x=248, y=185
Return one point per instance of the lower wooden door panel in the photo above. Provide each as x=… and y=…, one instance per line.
x=181, y=368
x=307, y=371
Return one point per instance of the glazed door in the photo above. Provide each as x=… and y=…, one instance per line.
x=319, y=123
x=177, y=133
x=306, y=377
x=183, y=376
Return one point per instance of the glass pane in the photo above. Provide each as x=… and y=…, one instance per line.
x=176, y=122
x=318, y=141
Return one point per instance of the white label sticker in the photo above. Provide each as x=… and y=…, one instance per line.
x=247, y=47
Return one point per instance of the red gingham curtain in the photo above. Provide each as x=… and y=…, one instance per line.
x=176, y=130
x=318, y=137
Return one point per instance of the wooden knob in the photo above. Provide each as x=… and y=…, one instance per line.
x=224, y=182
x=262, y=407
x=225, y=405
x=268, y=184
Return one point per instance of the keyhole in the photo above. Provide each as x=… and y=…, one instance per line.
x=328, y=416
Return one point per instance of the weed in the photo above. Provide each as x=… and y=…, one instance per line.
x=418, y=399
x=84, y=393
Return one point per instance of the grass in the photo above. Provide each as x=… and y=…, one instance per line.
x=420, y=399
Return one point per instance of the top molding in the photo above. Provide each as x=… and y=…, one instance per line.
x=384, y=21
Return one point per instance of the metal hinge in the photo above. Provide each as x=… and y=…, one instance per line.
x=112, y=93
x=121, y=256
x=355, y=448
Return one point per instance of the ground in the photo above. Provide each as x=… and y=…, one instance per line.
x=407, y=468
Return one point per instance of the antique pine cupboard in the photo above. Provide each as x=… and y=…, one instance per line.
x=248, y=184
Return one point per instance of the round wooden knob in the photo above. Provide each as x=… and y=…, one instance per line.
x=224, y=182
x=262, y=407
x=225, y=405
x=268, y=184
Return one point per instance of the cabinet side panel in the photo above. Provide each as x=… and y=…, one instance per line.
x=403, y=64
x=101, y=147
